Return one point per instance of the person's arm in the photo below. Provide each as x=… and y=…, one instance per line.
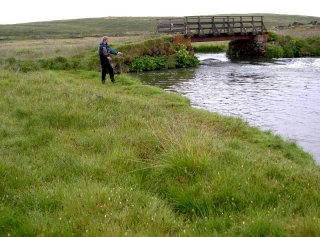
x=112, y=51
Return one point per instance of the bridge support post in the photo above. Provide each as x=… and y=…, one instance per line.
x=254, y=47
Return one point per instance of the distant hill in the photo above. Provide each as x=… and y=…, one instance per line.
x=273, y=20
x=80, y=28
x=114, y=26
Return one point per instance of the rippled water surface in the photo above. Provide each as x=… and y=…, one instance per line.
x=283, y=95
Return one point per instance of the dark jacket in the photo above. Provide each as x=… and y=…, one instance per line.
x=105, y=50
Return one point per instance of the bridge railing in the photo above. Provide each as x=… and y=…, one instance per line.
x=213, y=25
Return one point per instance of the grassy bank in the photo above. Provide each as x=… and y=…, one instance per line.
x=280, y=46
x=79, y=158
x=277, y=46
x=144, y=55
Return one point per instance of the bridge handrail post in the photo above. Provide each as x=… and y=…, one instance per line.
x=186, y=25
x=233, y=25
x=263, y=28
x=198, y=25
x=228, y=25
x=212, y=23
x=254, y=30
x=223, y=25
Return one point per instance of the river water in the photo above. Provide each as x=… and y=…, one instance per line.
x=282, y=96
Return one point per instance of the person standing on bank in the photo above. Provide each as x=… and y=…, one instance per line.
x=104, y=53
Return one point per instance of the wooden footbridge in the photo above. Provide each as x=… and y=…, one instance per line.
x=214, y=28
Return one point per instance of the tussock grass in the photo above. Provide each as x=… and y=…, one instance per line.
x=79, y=158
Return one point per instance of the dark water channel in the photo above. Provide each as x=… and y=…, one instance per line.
x=282, y=96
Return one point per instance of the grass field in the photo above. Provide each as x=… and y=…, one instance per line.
x=124, y=159
x=37, y=49
x=114, y=26
x=78, y=158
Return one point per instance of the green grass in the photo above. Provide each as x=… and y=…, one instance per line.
x=79, y=158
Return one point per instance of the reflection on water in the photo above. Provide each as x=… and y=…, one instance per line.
x=283, y=95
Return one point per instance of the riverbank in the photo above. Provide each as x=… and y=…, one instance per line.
x=156, y=53
x=279, y=46
x=127, y=159
x=262, y=92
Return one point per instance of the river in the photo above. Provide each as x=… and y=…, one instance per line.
x=282, y=96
